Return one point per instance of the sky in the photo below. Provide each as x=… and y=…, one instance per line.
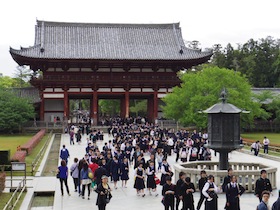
x=209, y=22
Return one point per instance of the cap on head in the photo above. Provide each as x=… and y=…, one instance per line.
x=104, y=177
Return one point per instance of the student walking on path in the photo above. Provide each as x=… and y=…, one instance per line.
x=63, y=175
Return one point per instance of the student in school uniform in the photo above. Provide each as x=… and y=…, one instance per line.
x=124, y=172
x=139, y=183
x=165, y=171
x=233, y=192
x=210, y=191
x=179, y=183
x=151, y=183
x=201, y=183
x=115, y=171
x=186, y=193
x=168, y=193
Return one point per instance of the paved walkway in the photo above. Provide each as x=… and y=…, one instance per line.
x=126, y=198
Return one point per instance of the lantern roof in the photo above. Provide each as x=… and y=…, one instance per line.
x=224, y=107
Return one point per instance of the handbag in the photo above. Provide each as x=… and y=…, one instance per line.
x=157, y=180
x=57, y=175
x=108, y=198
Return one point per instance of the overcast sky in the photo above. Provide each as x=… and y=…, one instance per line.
x=209, y=22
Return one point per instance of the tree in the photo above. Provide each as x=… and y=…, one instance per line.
x=22, y=75
x=274, y=108
x=138, y=107
x=200, y=90
x=109, y=107
x=9, y=82
x=259, y=60
x=14, y=111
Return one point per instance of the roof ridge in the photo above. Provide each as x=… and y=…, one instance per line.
x=110, y=25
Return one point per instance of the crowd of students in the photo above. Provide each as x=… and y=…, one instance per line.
x=130, y=140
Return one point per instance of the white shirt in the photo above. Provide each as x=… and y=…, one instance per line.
x=205, y=136
x=206, y=187
x=149, y=172
x=135, y=172
x=134, y=142
x=163, y=169
x=266, y=141
x=122, y=146
x=170, y=142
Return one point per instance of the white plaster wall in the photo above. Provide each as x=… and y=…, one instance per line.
x=54, y=105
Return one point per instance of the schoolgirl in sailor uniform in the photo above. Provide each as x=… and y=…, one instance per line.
x=166, y=171
x=115, y=170
x=124, y=172
x=139, y=183
x=151, y=183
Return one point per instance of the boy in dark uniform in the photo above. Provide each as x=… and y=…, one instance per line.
x=186, y=193
x=227, y=179
x=201, y=184
x=179, y=183
x=168, y=193
x=262, y=184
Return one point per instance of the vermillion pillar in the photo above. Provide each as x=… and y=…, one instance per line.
x=95, y=108
x=122, y=108
x=42, y=106
x=155, y=108
x=126, y=98
x=66, y=105
x=150, y=109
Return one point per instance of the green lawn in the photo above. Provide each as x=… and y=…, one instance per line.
x=4, y=198
x=273, y=137
x=273, y=153
x=11, y=142
x=30, y=158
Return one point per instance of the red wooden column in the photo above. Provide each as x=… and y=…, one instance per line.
x=126, y=98
x=150, y=108
x=66, y=104
x=95, y=107
x=122, y=108
x=42, y=106
x=155, y=104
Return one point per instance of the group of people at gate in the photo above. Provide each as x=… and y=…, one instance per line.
x=127, y=148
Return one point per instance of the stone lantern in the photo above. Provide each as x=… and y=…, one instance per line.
x=224, y=129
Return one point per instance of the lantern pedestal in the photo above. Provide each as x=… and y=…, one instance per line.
x=223, y=163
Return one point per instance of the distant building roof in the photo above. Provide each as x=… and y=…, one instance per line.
x=59, y=40
x=274, y=91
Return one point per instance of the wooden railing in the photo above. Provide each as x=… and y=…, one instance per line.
x=247, y=173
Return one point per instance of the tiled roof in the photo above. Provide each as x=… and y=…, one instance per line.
x=57, y=40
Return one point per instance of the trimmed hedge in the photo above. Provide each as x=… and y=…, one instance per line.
x=2, y=182
x=28, y=147
x=19, y=156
